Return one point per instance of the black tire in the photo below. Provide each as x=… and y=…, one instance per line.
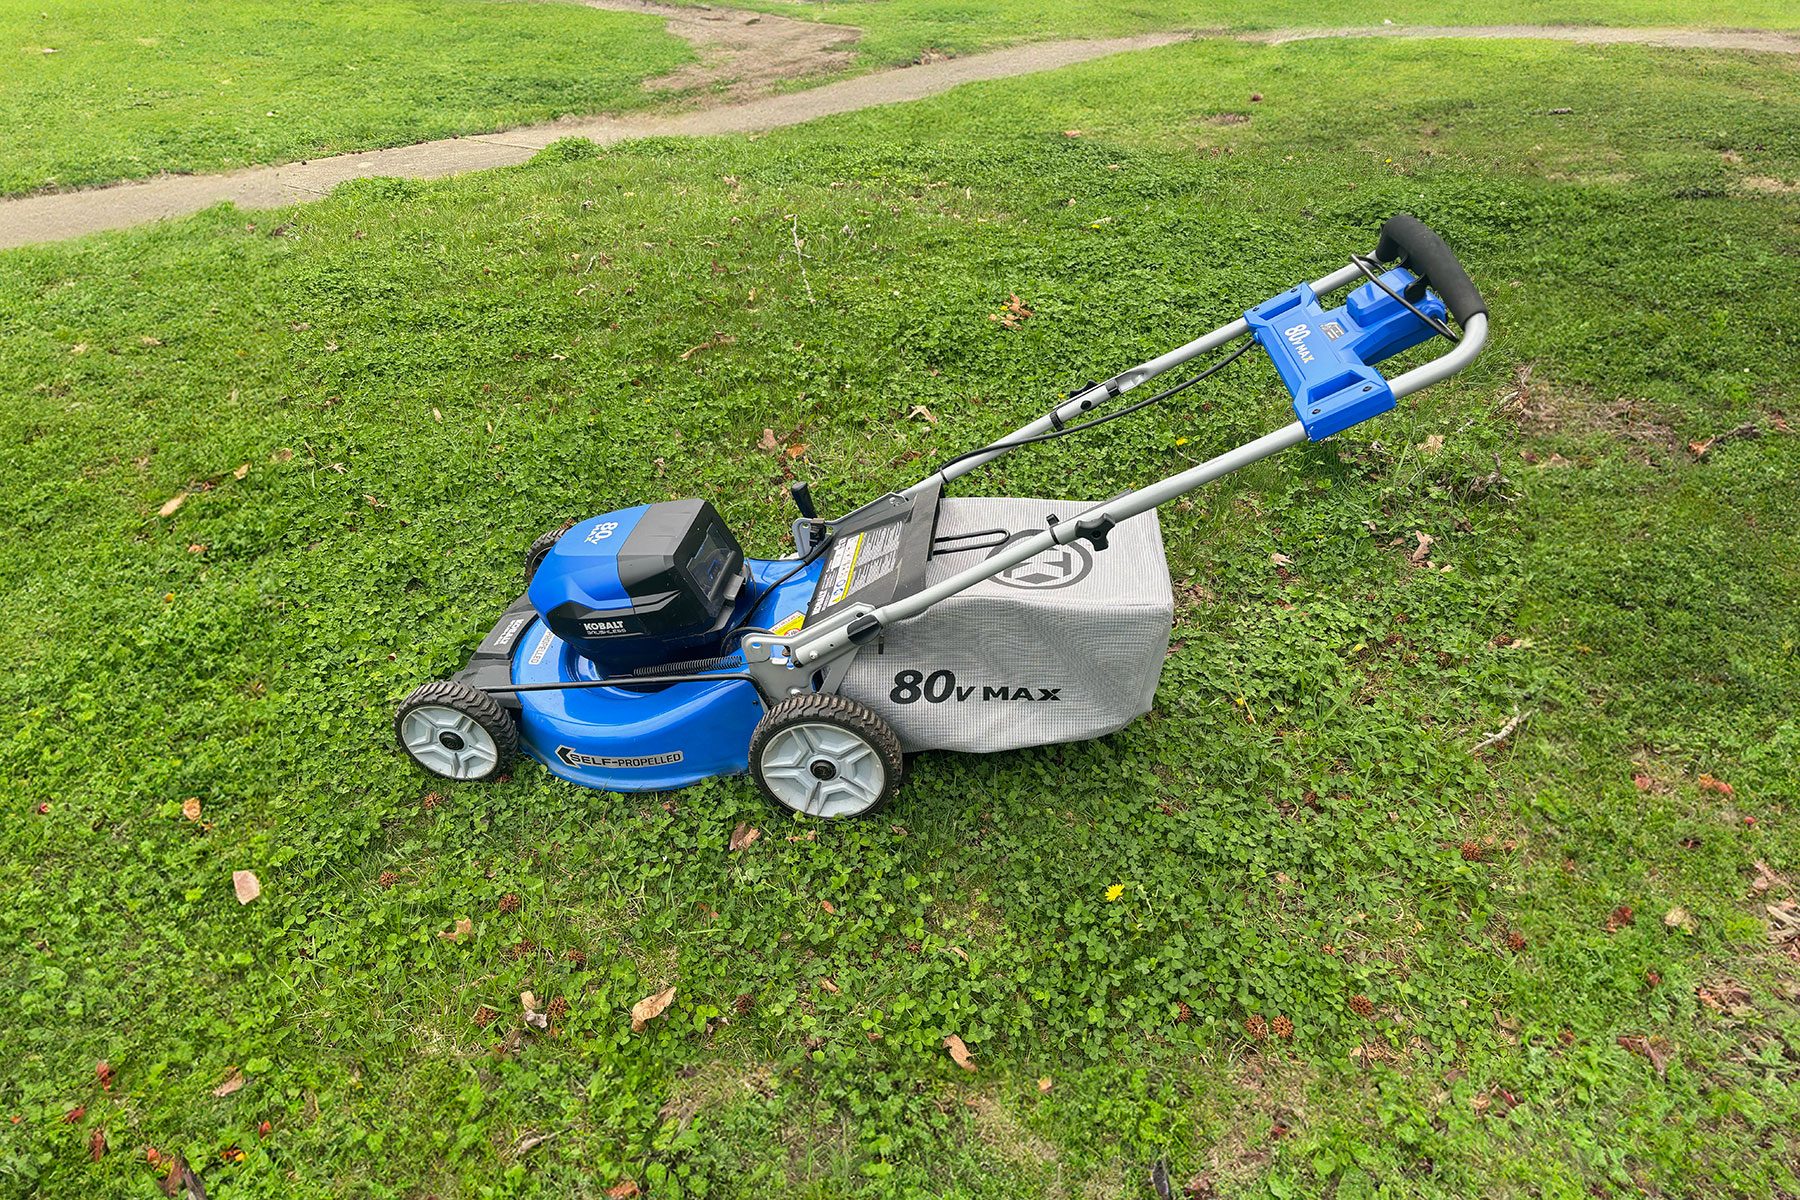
x=437, y=728
x=534, y=557
x=803, y=768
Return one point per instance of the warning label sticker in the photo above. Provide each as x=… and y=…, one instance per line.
x=792, y=623
x=858, y=562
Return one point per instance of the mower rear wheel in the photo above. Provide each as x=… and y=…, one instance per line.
x=454, y=731
x=825, y=756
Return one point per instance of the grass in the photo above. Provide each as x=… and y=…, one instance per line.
x=107, y=90
x=898, y=31
x=371, y=404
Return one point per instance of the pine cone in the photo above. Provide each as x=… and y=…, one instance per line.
x=1362, y=1006
x=509, y=903
x=1255, y=1028
x=1283, y=1027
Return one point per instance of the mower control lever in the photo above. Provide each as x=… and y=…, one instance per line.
x=802, y=494
x=1410, y=240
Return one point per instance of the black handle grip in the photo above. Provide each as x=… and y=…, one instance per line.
x=1410, y=240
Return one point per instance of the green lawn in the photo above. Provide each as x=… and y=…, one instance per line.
x=105, y=90
x=897, y=31
x=373, y=403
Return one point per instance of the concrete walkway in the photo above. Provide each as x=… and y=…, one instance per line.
x=62, y=215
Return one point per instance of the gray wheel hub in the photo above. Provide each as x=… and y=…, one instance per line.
x=822, y=770
x=450, y=742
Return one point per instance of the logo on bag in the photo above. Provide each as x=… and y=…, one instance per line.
x=575, y=758
x=1057, y=567
x=910, y=687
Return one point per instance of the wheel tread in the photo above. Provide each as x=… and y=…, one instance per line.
x=843, y=711
x=487, y=711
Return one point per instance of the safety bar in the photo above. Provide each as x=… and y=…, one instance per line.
x=1100, y=394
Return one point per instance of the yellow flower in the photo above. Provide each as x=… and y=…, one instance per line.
x=1114, y=892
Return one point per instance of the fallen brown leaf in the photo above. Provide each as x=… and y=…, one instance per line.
x=1619, y=918
x=242, y=470
x=829, y=984
x=190, y=808
x=743, y=835
x=767, y=443
x=1045, y=1084
x=171, y=504
x=1765, y=877
x=650, y=1008
x=181, y=1177
x=623, y=1190
x=1279, y=559
x=247, y=886
x=1656, y=1049
x=1726, y=996
x=1423, y=550
x=103, y=1072
x=1014, y=313
x=828, y=907
x=1679, y=918
x=1432, y=445
x=233, y=1082
x=97, y=1144
x=959, y=1053
x=463, y=928
x=1709, y=784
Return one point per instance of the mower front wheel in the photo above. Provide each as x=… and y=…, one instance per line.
x=825, y=756
x=454, y=731
x=540, y=550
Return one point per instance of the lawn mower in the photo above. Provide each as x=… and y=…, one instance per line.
x=649, y=653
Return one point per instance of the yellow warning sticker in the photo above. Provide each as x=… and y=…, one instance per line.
x=790, y=623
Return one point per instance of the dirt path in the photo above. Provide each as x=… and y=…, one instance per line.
x=742, y=54
x=1587, y=35
x=71, y=214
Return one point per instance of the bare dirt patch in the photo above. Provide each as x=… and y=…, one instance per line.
x=743, y=54
x=1542, y=407
x=712, y=1086
x=1008, y=1137
x=1771, y=186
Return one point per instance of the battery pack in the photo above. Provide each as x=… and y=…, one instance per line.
x=1065, y=646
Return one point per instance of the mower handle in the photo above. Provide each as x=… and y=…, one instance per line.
x=1425, y=254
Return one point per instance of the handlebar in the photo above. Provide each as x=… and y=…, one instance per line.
x=1410, y=240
